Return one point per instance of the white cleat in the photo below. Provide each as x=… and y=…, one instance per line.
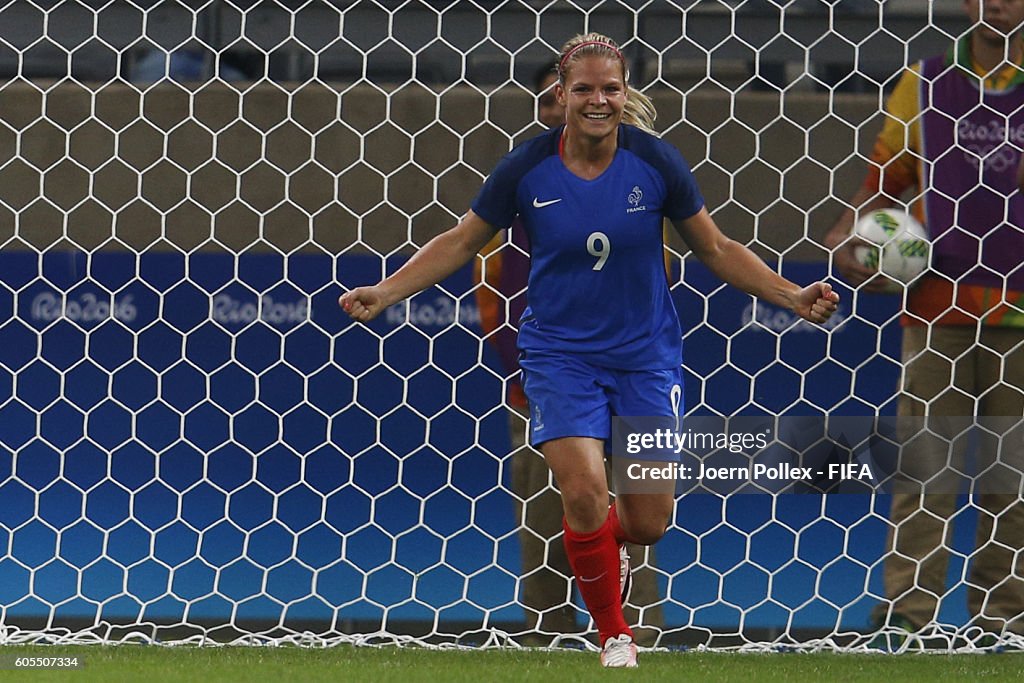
x=619, y=653
x=625, y=574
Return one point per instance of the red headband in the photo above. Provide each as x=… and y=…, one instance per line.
x=561, y=64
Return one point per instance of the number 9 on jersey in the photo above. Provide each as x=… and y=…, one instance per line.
x=599, y=246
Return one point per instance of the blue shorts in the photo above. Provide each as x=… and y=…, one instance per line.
x=570, y=397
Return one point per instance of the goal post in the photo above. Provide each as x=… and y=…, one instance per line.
x=195, y=442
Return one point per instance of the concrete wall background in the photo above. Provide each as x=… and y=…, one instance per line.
x=224, y=167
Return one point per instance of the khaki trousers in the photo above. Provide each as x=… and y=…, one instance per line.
x=959, y=371
x=546, y=575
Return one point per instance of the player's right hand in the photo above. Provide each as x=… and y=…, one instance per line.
x=859, y=276
x=362, y=303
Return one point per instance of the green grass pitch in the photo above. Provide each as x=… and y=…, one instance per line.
x=152, y=664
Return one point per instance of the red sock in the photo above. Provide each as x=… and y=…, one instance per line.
x=594, y=559
x=617, y=530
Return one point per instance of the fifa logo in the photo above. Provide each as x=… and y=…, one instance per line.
x=634, y=198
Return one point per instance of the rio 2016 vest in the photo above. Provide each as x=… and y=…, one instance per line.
x=971, y=141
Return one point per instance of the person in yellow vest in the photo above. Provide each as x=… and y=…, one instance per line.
x=954, y=132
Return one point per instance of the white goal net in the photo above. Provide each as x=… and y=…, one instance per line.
x=195, y=444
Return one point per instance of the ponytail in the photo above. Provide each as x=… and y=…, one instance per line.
x=639, y=110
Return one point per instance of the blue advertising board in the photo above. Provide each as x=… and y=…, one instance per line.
x=191, y=437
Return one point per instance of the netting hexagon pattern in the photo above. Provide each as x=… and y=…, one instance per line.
x=196, y=443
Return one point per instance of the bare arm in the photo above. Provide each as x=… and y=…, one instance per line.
x=742, y=268
x=439, y=258
x=841, y=241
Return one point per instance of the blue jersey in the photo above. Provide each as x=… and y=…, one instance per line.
x=597, y=285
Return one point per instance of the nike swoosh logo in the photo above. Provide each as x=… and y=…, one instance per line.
x=537, y=204
x=596, y=578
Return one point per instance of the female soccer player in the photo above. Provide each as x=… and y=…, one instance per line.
x=600, y=335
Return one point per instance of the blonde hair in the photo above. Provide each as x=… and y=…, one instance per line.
x=639, y=109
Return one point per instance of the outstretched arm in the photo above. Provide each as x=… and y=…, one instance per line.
x=439, y=258
x=742, y=268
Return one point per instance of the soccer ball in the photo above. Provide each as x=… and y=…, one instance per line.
x=899, y=246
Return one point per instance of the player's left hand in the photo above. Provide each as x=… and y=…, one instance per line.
x=816, y=302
